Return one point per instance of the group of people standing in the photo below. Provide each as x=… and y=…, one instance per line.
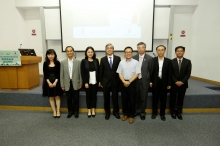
x=133, y=75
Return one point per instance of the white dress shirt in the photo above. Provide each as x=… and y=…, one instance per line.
x=160, y=67
x=112, y=57
x=70, y=66
x=141, y=57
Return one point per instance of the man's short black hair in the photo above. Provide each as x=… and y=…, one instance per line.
x=128, y=47
x=180, y=47
x=161, y=46
x=69, y=47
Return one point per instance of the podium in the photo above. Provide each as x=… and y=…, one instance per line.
x=21, y=77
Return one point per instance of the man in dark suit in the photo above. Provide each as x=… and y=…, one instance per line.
x=160, y=82
x=181, y=71
x=143, y=81
x=110, y=80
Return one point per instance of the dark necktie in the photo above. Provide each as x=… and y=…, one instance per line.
x=110, y=62
x=179, y=64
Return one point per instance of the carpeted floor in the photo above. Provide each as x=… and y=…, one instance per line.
x=28, y=128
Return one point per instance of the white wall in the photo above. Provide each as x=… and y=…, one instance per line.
x=205, y=48
x=12, y=26
x=182, y=22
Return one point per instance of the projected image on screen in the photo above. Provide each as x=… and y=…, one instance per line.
x=99, y=22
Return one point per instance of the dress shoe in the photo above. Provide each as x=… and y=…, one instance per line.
x=179, y=116
x=107, y=116
x=173, y=116
x=142, y=117
x=58, y=117
x=124, y=118
x=93, y=115
x=163, y=118
x=89, y=116
x=153, y=116
x=69, y=115
x=76, y=115
x=54, y=116
x=117, y=115
x=131, y=120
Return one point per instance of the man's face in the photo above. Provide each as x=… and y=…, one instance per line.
x=128, y=53
x=109, y=50
x=141, y=49
x=179, y=52
x=69, y=52
x=161, y=51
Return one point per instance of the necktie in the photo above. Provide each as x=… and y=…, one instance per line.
x=110, y=62
x=140, y=64
x=179, y=64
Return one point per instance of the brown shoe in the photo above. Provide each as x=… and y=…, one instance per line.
x=131, y=120
x=124, y=118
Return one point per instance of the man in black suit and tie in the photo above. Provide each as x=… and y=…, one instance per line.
x=143, y=81
x=181, y=71
x=160, y=82
x=110, y=80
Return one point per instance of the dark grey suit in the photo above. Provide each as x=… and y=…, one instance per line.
x=143, y=83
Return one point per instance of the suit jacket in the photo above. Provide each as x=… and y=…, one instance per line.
x=146, y=69
x=185, y=71
x=109, y=76
x=85, y=70
x=166, y=73
x=65, y=77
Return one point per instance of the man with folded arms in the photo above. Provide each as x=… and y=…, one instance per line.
x=181, y=71
x=128, y=71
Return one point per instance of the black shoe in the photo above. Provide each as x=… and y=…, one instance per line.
x=69, y=115
x=93, y=115
x=76, y=115
x=179, y=116
x=117, y=115
x=54, y=116
x=173, y=116
x=107, y=116
x=89, y=116
x=163, y=118
x=142, y=117
x=153, y=116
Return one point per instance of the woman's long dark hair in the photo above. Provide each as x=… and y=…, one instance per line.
x=50, y=51
x=94, y=55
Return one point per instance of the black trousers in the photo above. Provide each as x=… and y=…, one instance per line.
x=141, y=100
x=91, y=95
x=159, y=93
x=177, y=98
x=72, y=100
x=128, y=99
x=106, y=92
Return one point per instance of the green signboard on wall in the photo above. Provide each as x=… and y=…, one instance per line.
x=10, y=58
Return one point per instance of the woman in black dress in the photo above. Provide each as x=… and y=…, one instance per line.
x=90, y=76
x=51, y=88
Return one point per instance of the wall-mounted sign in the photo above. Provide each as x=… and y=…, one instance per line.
x=183, y=33
x=10, y=58
x=33, y=32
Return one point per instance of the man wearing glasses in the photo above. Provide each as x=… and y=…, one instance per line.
x=128, y=71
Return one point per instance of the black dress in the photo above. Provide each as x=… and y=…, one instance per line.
x=51, y=73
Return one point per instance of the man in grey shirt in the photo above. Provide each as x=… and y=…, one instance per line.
x=128, y=71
